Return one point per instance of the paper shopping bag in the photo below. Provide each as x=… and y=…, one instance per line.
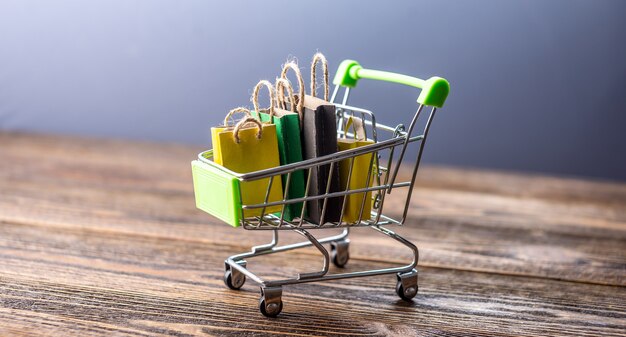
x=356, y=178
x=247, y=149
x=319, y=138
x=217, y=154
x=288, y=135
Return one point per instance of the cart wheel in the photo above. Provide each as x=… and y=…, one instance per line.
x=406, y=287
x=340, y=253
x=408, y=294
x=271, y=310
x=234, y=283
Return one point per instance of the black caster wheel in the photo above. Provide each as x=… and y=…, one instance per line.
x=234, y=283
x=271, y=310
x=406, y=294
x=339, y=253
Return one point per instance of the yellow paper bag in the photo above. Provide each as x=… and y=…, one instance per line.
x=217, y=155
x=358, y=178
x=245, y=149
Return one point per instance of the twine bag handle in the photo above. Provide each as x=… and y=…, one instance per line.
x=319, y=57
x=357, y=126
x=247, y=121
x=296, y=70
x=255, y=97
x=281, y=85
x=240, y=109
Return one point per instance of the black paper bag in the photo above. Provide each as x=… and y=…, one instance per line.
x=319, y=138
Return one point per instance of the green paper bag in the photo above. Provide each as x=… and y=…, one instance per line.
x=288, y=135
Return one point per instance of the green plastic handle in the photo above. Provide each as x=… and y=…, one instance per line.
x=434, y=90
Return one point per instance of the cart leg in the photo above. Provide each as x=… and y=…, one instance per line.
x=233, y=278
x=403, y=241
x=322, y=250
x=268, y=246
x=271, y=303
x=406, y=287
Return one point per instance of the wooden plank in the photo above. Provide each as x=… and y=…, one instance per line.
x=81, y=282
x=470, y=220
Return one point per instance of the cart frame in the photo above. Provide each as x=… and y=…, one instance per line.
x=433, y=95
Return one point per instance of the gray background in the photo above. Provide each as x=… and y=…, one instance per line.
x=536, y=85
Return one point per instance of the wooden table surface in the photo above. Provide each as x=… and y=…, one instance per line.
x=101, y=237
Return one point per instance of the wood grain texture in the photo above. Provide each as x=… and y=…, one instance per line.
x=101, y=237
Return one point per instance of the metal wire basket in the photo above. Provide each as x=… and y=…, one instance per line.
x=387, y=156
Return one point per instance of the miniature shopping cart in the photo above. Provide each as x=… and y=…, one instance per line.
x=391, y=146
